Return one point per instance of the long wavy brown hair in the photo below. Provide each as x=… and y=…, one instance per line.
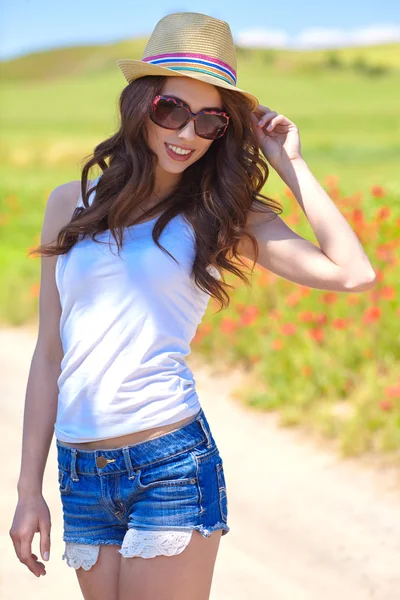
x=214, y=194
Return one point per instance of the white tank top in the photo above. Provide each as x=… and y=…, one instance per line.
x=126, y=325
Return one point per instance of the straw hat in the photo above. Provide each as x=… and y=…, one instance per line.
x=189, y=44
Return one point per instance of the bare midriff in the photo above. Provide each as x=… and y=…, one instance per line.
x=131, y=438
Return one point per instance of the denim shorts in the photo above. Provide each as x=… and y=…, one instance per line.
x=146, y=497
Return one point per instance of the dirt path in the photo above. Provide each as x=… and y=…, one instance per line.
x=304, y=525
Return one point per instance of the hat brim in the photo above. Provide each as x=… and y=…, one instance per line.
x=133, y=69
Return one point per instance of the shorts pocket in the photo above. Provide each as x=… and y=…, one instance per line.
x=179, y=472
x=203, y=453
x=223, y=499
x=63, y=482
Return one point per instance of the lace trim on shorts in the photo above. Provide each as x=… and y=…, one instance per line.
x=149, y=544
x=146, y=544
x=80, y=555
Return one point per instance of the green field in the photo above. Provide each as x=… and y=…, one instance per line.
x=56, y=106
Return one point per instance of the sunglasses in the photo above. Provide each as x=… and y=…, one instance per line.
x=172, y=113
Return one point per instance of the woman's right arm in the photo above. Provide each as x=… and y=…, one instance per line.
x=41, y=397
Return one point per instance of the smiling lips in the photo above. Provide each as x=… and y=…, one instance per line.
x=178, y=153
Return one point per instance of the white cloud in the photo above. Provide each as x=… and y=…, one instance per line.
x=318, y=37
x=377, y=34
x=262, y=38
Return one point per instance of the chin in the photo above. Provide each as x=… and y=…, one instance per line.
x=172, y=167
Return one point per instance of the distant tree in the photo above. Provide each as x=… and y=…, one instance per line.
x=378, y=70
x=361, y=65
x=333, y=61
x=269, y=56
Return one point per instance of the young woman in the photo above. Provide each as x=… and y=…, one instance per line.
x=127, y=272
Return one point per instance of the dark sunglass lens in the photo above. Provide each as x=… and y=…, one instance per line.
x=169, y=115
x=211, y=126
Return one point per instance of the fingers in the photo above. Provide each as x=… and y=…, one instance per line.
x=29, y=559
x=39, y=565
x=272, y=119
x=22, y=545
x=267, y=118
x=45, y=540
x=262, y=110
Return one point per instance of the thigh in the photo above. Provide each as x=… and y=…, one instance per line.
x=100, y=582
x=184, y=576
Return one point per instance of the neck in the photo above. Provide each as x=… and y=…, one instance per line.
x=165, y=184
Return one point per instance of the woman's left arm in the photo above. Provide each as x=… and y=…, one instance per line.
x=280, y=144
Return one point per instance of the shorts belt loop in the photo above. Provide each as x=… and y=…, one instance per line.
x=202, y=425
x=128, y=463
x=74, y=474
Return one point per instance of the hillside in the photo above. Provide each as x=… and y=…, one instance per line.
x=92, y=59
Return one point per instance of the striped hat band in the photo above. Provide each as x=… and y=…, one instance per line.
x=183, y=61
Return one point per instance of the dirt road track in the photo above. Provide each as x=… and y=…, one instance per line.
x=304, y=525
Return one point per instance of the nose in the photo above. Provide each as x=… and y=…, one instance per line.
x=188, y=132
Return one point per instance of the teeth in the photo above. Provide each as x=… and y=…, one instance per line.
x=178, y=150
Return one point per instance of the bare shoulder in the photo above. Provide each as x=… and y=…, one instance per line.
x=61, y=204
x=60, y=207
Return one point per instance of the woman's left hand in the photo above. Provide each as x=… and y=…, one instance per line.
x=281, y=143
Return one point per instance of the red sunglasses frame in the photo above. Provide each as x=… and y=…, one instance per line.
x=191, y=115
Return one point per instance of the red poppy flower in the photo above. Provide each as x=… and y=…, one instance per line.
x=372, y=314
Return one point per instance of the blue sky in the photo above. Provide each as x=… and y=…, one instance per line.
x=29, y=25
